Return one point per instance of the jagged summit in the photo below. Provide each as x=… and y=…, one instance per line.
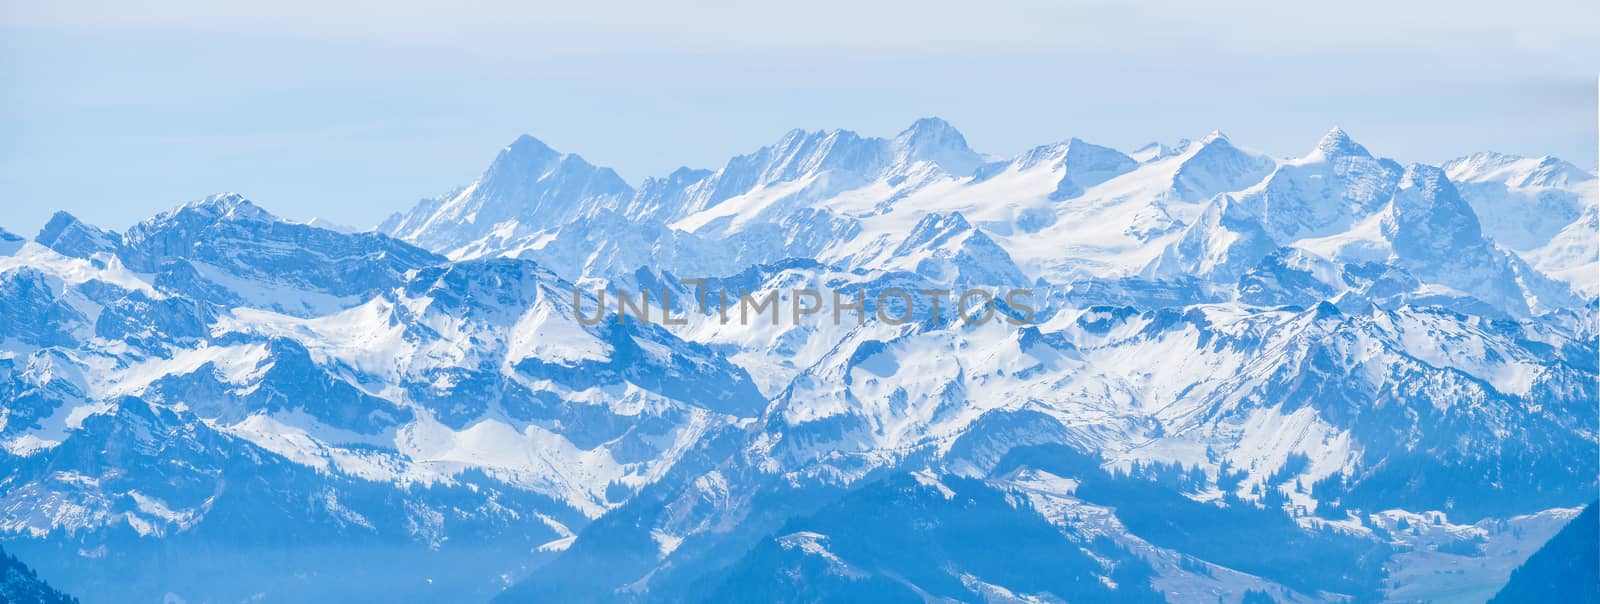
x=1085, y=165
x=935, y=140
x=528, y=159
x=59, y=222
x=1337, y=143
x=221, y=206
x=1214, y=165
x=1525, y=202
x=1428, y=213
x=330, y=225
x=933, y=230
x=1157, y=150
x=814, y=190
x=70, y=236
x=1515, y=171
x=1432, y=208
x=1431, y=178
x=529, y=186
x=1152, y=152
x=526, y=145
x=932, y=129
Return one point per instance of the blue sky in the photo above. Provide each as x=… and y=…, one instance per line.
x=115, y=112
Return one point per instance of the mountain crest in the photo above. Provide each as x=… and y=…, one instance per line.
x=227, y=206
x=529, y=188
x=1337, y=143
x=1515, y=170
x=1085, y=165
x=934, y=230
x=935, y=140
x=528, y=160
x=1427, y=209
x=1152, y=152
x=72, y=237
x=526, y=145
x=1213, y=165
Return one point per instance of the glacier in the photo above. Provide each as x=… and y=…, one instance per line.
x=1330, y=377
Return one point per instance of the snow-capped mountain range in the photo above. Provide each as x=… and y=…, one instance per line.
x=1367, y=371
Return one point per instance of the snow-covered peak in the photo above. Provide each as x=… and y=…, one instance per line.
x=1081, y=164
x=935, y=140
x=199, y=215
x=529, y=188
x=1337, y=143
x=1436, y=236
x=805, y=167
x=1152, y=152
x=225, y=206
x=933, y=230
x=229, y=208
x=1515, y=171
x=337, y=227
x=1428, y=212
x=801, y=154
x=1523, y=202
x=527, y=149
x=1214, y=165
x=681, y=177
x=1087, y=165
x=226, y=250
x=529, y=159
x=662, y=197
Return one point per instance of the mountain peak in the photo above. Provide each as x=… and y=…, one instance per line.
x=687, y=174
x=932, y=231
x=70, y=236
x=935, y=140
x=932, y=128
x=59, y=221
x=1337, y=143
x=1428, y=213
x=329, y=225
x=525, y=157
x=1515, y=170
x=232, y=206
x=1427, y=178
x=1085, y=165
x=527, y=144
x=1152, y=152
x=528, y=160
x=528, y=188
x=1214, y=165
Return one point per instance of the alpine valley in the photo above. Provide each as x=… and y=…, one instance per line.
x=1332, y=377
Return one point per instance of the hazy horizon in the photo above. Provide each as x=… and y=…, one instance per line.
x=114, y=114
